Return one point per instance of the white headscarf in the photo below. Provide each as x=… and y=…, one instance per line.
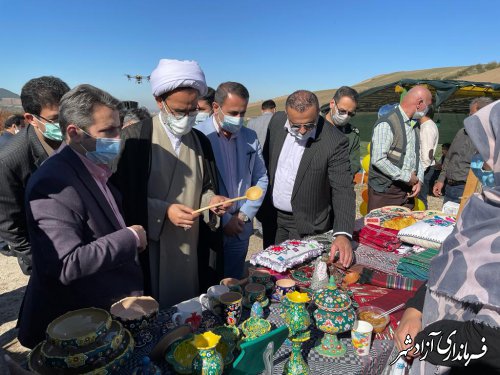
x=171, y=74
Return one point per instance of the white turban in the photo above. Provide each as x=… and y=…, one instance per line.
x=171, y=74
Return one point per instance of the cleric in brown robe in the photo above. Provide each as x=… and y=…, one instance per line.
x=166, y=171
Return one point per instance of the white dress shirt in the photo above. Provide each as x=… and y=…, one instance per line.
x=429, y=137
x=286, y=170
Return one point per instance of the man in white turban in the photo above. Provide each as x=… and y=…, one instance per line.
x=165, y=172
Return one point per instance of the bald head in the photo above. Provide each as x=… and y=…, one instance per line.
x=416, y=101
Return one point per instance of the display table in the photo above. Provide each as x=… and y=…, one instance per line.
x=350, y=363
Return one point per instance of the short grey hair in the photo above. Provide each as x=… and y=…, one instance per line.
x=77, y=106
x=481, y=102
x=301, y=100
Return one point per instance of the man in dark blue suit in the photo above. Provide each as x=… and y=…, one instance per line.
x=83, y=254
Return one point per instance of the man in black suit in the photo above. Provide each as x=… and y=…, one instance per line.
x=23, y=155
x=11, y=127
x=310, y=185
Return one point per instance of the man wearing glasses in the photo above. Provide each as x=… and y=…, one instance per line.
x=166, y=170
x=342, y=109
x=310, y=185
x=21, y=157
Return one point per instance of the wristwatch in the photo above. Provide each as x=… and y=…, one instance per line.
x=243, y=217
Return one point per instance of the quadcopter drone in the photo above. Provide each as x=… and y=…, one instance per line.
x=138, y=78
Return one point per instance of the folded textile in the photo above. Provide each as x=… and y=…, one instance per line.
x=376, y=259
x=374, y=277
x=287, y=255
x=384, y=239
x=416, y=265
x=430, y=232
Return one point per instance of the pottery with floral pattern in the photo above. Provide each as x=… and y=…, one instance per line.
x=335, y=314
x=208, y=361
x=102, y=350
x=295, y=314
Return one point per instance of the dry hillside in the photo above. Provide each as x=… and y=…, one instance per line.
x=468, y=73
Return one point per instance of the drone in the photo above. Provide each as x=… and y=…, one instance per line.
x=138, y=78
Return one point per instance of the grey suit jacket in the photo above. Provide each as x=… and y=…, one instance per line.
x=81, y=255
x=18, y=161
x=259, y=125
x=323, y=196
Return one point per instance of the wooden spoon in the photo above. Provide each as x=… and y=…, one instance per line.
x=253, y=193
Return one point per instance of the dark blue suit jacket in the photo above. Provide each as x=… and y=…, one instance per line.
x=81, y=256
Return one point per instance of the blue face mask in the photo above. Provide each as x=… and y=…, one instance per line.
x=486, y=177
x=106, y=150
x=200, y=117
x=231, y=124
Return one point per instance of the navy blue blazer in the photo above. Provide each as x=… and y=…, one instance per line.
x=81, y=255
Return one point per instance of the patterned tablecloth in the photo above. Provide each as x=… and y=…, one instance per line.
x=349, y=364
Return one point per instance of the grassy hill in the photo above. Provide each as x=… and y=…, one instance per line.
x=480, y=72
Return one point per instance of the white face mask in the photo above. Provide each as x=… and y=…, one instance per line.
x=178, y=127
x=200, y=117
x=296, y=133
x=16, y=130
x=339, y=119
x=419, y=114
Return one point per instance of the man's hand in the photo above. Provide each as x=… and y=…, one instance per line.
x=143, y=238
x=234, y=226
x=219, y=210
x=438, y=188
x=415, y=190
x=181, y=216
x=413, y=179
x=343, y=245
x=410, y=324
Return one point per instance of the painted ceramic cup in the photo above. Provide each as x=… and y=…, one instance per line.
x=210, y=300
x=189, y=312
x=283, y=286
x=232, y=307
x=255, y=293
x=234, y=285
x=361, y=336
x=260, y=276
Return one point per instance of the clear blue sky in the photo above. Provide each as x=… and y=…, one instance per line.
x=273, y=47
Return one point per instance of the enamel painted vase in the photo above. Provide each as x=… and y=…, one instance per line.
x=334, y=315
x=298, y=320
x=295, y=314
x=208, y=361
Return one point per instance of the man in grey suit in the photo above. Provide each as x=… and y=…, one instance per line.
x=259, y=124
x=310, y=186
x=83, y=254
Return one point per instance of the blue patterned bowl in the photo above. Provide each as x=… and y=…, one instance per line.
x=101, y=350
x=135, y=313
x=79, y=328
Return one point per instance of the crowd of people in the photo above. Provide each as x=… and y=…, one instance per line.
x=98, y=203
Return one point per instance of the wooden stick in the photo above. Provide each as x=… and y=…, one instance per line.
x=219, y=204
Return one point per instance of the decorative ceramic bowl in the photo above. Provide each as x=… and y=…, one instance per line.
x=230, y=334
x=302, y=276
x=101, y=350
x=106, y=366
x=78, y=328
x=371, y=314
x=135, y=313
x=253, y=328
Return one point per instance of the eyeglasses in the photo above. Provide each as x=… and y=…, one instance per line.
x=308, y=126
x=180, y=114
x=44, y=119
x=345, y=112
